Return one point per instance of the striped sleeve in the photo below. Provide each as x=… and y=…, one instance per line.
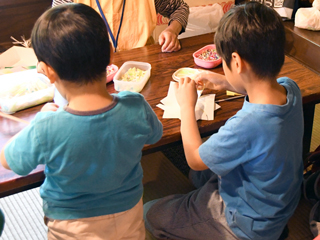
x=175, y=10
x=58, y=2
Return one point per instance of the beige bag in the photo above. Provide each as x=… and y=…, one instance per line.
x=309, y=18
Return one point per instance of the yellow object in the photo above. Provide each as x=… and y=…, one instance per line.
x=229, y=93
x=133, y=75
x=139, y=20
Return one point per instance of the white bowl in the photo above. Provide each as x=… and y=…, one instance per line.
x=120, y=85
x=185, y=72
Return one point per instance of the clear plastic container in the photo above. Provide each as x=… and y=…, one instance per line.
x=133, y=86
x=206, y=63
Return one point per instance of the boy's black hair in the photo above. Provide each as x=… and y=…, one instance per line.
x=73, y=40
x=256, y=33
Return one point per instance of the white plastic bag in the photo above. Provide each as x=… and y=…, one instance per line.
x=203, y=20
x=309, y=18
x=24, y=89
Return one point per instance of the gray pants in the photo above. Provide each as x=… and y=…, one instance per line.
x=197, y=215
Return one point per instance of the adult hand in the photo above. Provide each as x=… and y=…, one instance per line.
x=49, y=107
x=186, y=93
x=169, y=37
x=169, y=41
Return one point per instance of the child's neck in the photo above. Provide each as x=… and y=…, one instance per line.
x=88, y=97
x=266, y=92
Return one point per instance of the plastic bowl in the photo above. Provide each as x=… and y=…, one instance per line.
x=185, y=72
x=120, y=85
x=113, y=70
x=206, y=63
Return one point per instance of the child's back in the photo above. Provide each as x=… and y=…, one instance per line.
x=92, y=158
x=253, y=164
x=258, y=155
x=91, y=148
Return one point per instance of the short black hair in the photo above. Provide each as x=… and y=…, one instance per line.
x=74, y=41
x=256, y=33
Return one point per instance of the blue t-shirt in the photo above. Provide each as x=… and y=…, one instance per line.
x=92, y=159
x=257, y=155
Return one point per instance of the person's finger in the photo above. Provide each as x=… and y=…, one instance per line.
x=199, y=85
x=173, y=46
x=165, y=46
x=161, y=39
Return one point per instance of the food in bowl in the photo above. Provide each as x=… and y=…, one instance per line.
x=207, y=57
x=185, y=72
x=137, y=78
x=133, y=75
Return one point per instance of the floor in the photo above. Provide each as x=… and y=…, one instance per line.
x=24, y=217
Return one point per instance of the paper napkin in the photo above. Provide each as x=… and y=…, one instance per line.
x=204, y=109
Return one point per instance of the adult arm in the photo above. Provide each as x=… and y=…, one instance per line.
x=177, y=11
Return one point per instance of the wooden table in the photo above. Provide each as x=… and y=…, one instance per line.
x=303, y=45
x=163, y=66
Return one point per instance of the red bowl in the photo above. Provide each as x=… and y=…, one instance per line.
x=111, y=71
x=209, y=60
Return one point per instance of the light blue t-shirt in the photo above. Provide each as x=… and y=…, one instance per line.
x=92, y=159
x=257, y=155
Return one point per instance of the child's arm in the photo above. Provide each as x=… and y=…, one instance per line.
x=213, y=81
x=50, y=107
x=186, y=95
x=2, y=156
x=47, y=107
x=3, y=160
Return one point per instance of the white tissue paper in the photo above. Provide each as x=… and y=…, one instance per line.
x=203, y=20
x=309, y=18
x=205, y=106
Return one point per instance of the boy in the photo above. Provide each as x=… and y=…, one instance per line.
x=253, y=169
x=91, y=148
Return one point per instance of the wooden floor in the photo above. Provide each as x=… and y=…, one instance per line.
x=24, y=217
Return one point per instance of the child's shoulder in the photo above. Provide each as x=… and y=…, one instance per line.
x=47, y=116
x=128, y=94
x=130, y=97
x=287, y=81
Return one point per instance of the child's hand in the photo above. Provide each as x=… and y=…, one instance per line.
x=186, y=93
x=49, y=107
x=211, y=80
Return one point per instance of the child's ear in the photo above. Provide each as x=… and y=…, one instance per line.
x=240, y=65
x=48, y=71
x=237, y=61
